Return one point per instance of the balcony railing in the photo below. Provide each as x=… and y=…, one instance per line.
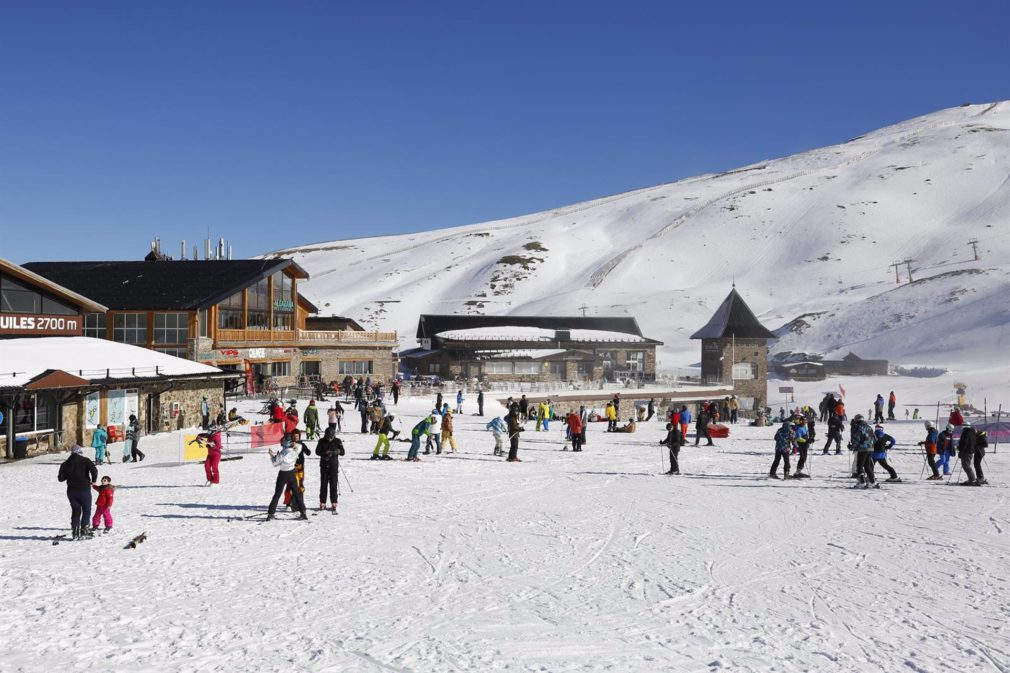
x=345, y=336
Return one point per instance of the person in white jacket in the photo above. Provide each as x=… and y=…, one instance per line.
x=436, y=433
x=285, y=461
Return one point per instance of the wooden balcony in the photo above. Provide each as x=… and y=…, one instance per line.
x=233, y=336
x=308, y=338
x=347, y=337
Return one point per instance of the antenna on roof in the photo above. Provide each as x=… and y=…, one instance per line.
x=583, y=308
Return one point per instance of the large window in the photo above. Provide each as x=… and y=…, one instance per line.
x=258, y=315
x=284, y=305
x=496, y=367
x=203, y=323
x=171, y=328
x=311, y=368
x=528, y=368
x=230, y=314
x=355, y=367
x=636, y=361
x=18, y=297
x=130, y=328
x=281, y=368
x=94, y=325
x=35, y=412
x=743, y=371
x=174, y=352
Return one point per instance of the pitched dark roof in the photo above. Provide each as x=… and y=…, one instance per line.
x=733, y=318
x=430, y=325
x=170, y=286
x=333, y=322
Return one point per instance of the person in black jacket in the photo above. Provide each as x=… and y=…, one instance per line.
x=673, y=441
x=329, y=449
x=701, y=428
x=480, y=402
x=514, y=428
x=971, y=456
x=79, y=473
x=835, y=428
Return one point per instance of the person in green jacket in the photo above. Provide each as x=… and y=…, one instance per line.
x=99, y=439
x=311, y=420
x=422, y=428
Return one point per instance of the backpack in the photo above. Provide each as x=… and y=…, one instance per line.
x=981, y=441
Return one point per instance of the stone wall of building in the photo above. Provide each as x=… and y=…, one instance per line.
x=718, y=358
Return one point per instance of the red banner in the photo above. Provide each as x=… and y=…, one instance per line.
x=267, y=434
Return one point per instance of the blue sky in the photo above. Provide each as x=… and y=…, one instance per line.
x=280, y=123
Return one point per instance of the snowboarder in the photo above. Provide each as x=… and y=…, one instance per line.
x=385, y=430
x=971, y=451
x=99, y=440
x=311, y=420
x=835, y=429
x=674, y=440
x=514, y=428
x=891, y=401
x=784, y=442
x=103, y=505
x=286, y=461
x=422, y=428
x=133, y=440
x=881, y=443
x=79, y=473
x=861, y=441
x=929, y=449
x=329, y=449
x=498, y=430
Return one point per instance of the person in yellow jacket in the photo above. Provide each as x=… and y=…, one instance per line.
x=447, y=437
x=611, y=414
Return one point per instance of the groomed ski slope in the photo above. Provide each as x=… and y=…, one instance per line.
x=565, y=562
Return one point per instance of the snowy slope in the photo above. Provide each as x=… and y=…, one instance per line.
x=810, y=233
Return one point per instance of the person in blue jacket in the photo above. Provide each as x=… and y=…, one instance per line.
x=500, y=432
x=881, y=443
x=99, y=440
x=801, y=437
x=784, y=438
x=945, y=449
x=459, y=402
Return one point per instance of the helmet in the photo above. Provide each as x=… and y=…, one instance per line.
x=929, y=425
x=879, y=432
x=857, y=417
x=966, y=423
x=949, y=428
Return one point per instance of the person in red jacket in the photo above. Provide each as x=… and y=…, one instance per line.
x=277, y=413
x=575, y=429
x=291, y=420
x=103, y=507
x=956, y=419
x=212, y=440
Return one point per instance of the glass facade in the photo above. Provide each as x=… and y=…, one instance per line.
x=94, y=325
x=171, y=328
x=354, y=367
x=258, y=315
x=284, y=304
x=229, y=313
x=130, y=328
x=18, y=297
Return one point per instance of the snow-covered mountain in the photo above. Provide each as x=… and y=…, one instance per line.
x=809, y=235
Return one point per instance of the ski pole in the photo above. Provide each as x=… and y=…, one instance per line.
x=955, y=474
x=662, y=459
x=344, y=472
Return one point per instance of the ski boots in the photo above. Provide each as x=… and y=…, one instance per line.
x=386, y=457
x=375, y=456
x=75, y=534
x=894, y=480
x=935, y=477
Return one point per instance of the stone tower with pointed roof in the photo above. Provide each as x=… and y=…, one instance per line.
x=734, y=349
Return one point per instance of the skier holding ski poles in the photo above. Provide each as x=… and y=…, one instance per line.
x=285, y=461
x=514, y=428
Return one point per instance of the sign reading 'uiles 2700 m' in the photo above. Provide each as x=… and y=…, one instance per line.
x=36, y=324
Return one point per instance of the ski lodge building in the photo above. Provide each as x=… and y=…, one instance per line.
x=531, y=348
x=734, y=350
x=57, y=385
x=238, y=315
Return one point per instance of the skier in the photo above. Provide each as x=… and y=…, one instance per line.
x=945, y=448
x=878, y=409
x=652, y=409
x=286, y=461
x=784, y=439
x=291, y=418
x=438, y=400
x=375, y=416
x=835, y=428
x=498, y=429
x=891, y=401
x=674, y=440
x=514, y=428
x=802, y=440
x=861, y=441
x=881, y=444
x=363, y=411
x=611, y=414
x=929, y=448
x=296, y=439
x=103, y=505
x=133, y=440
x=422, y=428
x=575, y=430
x=99, y=440
x=701, y=428
x=459, y=401
x=211, y=465
x=447, y=437
x=685, y=421
x=524, y=408
x=277, y=414
x=546, y=414
x=311, y=420
x=971, y=451
x=385, y=430
x=329, y=449
x=79, y=473
x=480, y=402
x=396, y=391
x=435, y=436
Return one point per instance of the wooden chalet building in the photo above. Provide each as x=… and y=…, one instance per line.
x=531, y=348
x=239, y=315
